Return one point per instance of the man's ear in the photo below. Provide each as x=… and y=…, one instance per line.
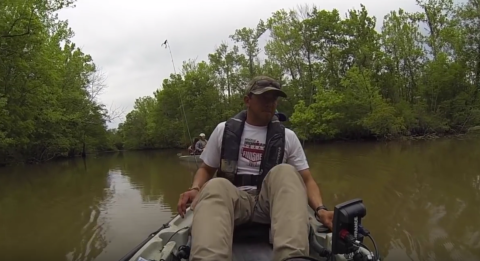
x=246, y=100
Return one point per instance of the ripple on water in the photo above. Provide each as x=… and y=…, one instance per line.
x=128, y=216
x=417, y=210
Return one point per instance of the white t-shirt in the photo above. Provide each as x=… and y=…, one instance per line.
x=251, y=149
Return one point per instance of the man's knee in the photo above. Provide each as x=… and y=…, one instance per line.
x=217, y=186
x=284, y=169
x=283, y=174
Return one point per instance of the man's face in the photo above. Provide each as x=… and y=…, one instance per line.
x=262, y=106
x=202, y=137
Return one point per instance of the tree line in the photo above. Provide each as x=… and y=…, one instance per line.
x=419, y=75
x=49, y=88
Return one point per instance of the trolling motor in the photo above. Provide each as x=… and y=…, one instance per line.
x=348, y=233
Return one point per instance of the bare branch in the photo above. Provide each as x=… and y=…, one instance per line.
x=96, y=85
x=115, y=113
x=304, y=11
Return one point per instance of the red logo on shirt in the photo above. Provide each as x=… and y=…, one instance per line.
x=252, y=150
x=252, y=154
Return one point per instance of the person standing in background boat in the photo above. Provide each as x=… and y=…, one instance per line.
x=263, y=176
x=200, y=145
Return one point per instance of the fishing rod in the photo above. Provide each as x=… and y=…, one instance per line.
x=167, y=45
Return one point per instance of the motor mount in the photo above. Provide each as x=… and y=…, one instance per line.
x=347, y=220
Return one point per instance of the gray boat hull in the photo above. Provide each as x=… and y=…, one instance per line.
x=190, y=158
x=166, y=243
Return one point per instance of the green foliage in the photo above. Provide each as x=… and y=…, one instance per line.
x=420, y=74
x=344, y=79
x=48, y=105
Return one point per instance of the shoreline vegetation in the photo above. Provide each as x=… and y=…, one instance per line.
x=418, y=77
x=427, y=137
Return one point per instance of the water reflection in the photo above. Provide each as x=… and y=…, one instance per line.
x=422, y=198
x=157, y=175
x=53, y=211
x=129, y=219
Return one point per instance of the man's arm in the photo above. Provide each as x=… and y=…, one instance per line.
x=197, y=146
x=210, y=157
x=298, y=159
x=203, y=174
x=313, y=191
x=315, y=199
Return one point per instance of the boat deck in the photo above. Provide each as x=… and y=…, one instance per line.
x=251, y=243
x=252, y=251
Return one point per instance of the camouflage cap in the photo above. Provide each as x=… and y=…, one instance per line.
x=262, y=84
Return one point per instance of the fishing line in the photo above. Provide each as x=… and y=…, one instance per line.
x=167, y=44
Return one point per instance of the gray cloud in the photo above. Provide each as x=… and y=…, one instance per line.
x=125, y=37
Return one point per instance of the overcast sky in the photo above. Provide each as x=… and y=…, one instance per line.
x=124, y=37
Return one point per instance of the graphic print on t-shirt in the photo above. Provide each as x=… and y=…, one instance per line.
x=252, y=150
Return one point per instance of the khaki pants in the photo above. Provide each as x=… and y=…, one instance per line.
x=221, y=206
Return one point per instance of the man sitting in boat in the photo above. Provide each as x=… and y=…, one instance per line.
x=200, y=145
x=191, y=148
x=263, y=177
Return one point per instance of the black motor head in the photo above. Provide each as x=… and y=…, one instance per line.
x=346, y=219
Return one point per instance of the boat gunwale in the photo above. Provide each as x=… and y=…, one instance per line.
x=137, y=248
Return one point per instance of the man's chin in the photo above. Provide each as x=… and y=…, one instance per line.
x=268, y=116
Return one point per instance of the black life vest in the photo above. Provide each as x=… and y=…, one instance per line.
x=272, y=154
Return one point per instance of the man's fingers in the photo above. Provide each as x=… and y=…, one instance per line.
x=195, y=201
x=184, y=209
x=185, y=200
x=329, y=225
x=181, y=204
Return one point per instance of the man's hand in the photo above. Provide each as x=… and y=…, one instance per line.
x=186, y=198
x=326, y=218
x=203, y=174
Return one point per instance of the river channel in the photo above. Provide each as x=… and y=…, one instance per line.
x=422, y=199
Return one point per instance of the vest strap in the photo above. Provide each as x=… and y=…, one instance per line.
x=272, y=154
x=246, y=180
